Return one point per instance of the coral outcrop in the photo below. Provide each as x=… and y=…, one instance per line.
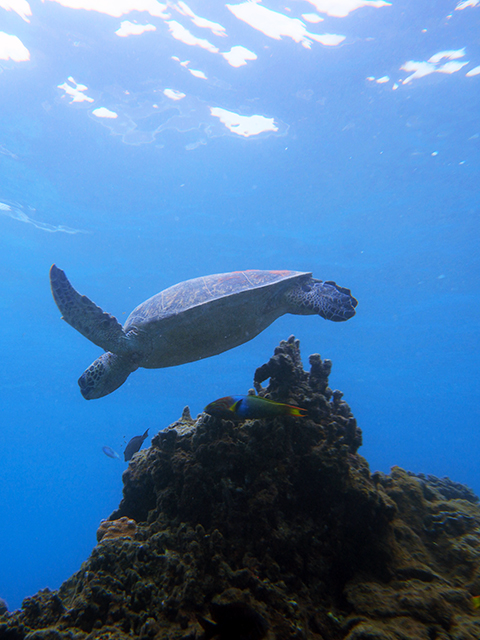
x=272, y=528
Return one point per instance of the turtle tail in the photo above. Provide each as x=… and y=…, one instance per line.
x=328, y=299
x=103, y=376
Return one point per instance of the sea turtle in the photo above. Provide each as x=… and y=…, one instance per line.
x=192, y=320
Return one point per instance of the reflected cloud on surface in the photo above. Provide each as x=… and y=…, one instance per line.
x=128, y=28
x=75, y=91
x=17, y=212
x=168, y=100
x=245, y=126
x=275, y=25
x=21, y=7
x=12, y=48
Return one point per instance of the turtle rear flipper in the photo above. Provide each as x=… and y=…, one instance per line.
x=82, y=314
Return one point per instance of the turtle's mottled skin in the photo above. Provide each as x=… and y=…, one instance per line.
x=192, y=320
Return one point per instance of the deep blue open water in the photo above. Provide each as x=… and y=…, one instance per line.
x=367, y=172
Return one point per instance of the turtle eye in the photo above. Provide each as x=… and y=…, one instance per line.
x=306, y=288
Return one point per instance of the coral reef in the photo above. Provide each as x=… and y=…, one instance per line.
x=272, y=528
x=121, y=528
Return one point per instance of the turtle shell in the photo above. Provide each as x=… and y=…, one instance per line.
x=205, y=316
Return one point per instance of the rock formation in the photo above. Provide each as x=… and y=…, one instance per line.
x=272, y=528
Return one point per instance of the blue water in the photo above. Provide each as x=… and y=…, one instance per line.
x=372, y=184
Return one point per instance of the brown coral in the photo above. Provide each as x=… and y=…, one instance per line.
x=122, y=528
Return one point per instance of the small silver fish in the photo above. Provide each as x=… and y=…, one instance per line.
x=108, y=451
x=134, y=445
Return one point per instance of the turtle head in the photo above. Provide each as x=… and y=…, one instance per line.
x=328, y=299
x=103, y=376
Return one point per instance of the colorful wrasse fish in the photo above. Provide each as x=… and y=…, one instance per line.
x=245, y=407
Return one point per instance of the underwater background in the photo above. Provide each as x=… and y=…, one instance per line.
x=142, y=144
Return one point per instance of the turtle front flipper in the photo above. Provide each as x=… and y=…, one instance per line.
x=103, y=376
x=328, y=299
x=83, y=315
